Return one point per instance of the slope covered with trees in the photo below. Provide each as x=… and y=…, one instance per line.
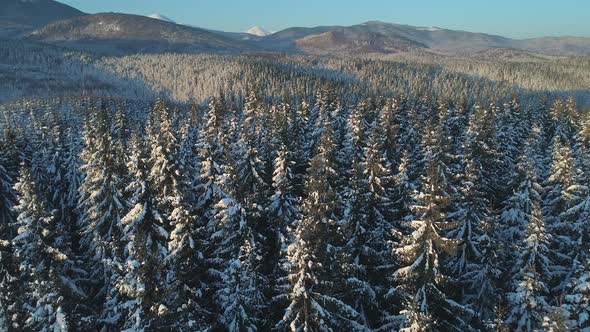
x=311, y=211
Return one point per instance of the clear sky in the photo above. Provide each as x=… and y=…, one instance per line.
x=511, y=18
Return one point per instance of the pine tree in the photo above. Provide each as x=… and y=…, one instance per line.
x=577, y=294
x=313, y=302
x=72, y=177
x=511, y=136
x=368, y=227
x=420, y=280
x=6, y=194
x=101, y=206
x=41, y=260
x=403, y=188
x=142, y=273
x=235, y=259
x=532, y=269
x=283, y=212
x=8, y=269
x=577, y=299
x=164, y=148
x=212, y=159
x=186, y=266
x=562, y=192
x=476, y=264
x=352, y=149
x=387, y=120
x=518, y=208
x=582, y=146
x=10, y=297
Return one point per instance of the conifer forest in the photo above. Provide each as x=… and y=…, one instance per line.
x=293, y=192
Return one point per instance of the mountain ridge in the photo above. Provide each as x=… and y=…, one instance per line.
x=127, y=33
x=20, y=17
x=115, y=33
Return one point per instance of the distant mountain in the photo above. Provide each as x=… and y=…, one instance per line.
x=380, y=37
x=18, y=17
x=258, y=31
x=356, y=40
x=161, y=18
x=113, y=33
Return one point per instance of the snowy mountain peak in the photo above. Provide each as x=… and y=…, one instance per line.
x=161, y=18
x=258, y=31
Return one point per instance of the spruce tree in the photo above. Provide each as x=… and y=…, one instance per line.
x=577, y=298
x=403, y=189
x=235, y=260
x=101, y=206
x=41, y=261
x=476, y=264
x=185, y=262
x=6, y=194
x=368, y=227
x=562, y=192
x=164, y=175
x=313, y=301
x=421, y=279
x=141, y=270
x=530, y=273
x=283, y=212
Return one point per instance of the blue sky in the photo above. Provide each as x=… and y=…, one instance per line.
x=511, y=18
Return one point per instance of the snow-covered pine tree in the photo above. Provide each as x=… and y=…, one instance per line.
x=421, y=279
x=44, y=159
x=563, y=117
x=409, y=138
x=582, y=146
x=6, y=193
x=351, y=149
x=212, y=158
x=577, y=298
x=387, y=120
x=10, y=297
x=252, y=188
x=562, y=192
x=403, y=189
x=41, y=259
x=8, y=270
x=511, y=134
x=518, y=208
x=140, y=291
x=235, y=260
x=475, y=265
x=368, y=227
x=283, y=212
x=164, y=175
x=72, y=176
x=577, y=292
x=530, y=273
x=101, y=206
x=320, y=117
x=296, y=143
x=314, y=303
x=185, y=262
x=10, y=317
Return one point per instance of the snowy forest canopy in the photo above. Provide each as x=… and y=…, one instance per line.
x=304, y=212
x=310, y=193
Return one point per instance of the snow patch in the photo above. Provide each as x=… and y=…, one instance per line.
x=429, y=29
x=161, y=18
x=258, y=31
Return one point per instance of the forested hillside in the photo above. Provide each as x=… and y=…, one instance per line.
x=322, y=209
x=29, y=70
x=159, y=176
